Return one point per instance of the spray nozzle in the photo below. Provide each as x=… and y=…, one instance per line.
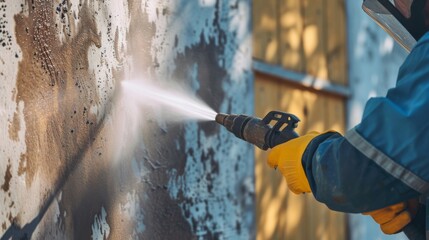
x=220, y=118
x=259, y=131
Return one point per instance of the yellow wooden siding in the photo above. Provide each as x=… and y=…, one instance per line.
x=291, y=26
x=280, y=213
x=265, y=29
x=307, y=36
x=314, y=38
x=336, y=47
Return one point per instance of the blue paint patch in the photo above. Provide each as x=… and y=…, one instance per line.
x=100, y=227
x=195, y=84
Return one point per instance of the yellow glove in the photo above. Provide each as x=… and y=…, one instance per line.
x=287, y=157
x=394, y=218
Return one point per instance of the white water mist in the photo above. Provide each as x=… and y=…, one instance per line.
x=175, y=101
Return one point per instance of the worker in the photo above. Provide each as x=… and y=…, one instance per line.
x=381, y=166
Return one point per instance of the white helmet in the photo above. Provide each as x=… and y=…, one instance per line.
x=405, y=20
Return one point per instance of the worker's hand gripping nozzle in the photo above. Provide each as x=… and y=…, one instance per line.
x=259, y=131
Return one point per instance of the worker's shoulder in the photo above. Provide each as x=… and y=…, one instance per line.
x=419, y=56
x=423, y=42
x=414, y=68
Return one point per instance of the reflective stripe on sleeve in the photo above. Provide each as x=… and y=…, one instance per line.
x=385, y=162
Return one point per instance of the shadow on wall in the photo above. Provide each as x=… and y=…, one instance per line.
x=65, y=117
x=209, y=173
x=67, y=113
x=86, y=179
x=17, y=231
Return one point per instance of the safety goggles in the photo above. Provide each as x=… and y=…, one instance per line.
x=404, y=20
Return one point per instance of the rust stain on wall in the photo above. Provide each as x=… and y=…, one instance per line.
x=22, y=164
x=55, y=86
x=58, y=91
x=66, y=90
x=7, y=177
x=14, y=127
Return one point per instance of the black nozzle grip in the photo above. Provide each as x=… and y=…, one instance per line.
x=283, y=129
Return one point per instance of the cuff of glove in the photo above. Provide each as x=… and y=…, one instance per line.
x=287, y=157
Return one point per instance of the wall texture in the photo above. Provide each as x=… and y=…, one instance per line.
x=77, y=162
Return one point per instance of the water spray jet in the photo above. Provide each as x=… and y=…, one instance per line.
x=275, y=128
x=178, y=102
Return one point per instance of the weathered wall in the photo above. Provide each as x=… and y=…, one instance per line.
x=374, y=60
x=74, y=165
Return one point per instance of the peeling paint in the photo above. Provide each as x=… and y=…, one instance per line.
x=100, y=227
x=204, y=188
x=131, y=209
x=7, y=177
x=12, y=126
x=207, y=190
x=91, y=166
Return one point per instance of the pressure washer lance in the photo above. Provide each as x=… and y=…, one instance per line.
x=275, y=128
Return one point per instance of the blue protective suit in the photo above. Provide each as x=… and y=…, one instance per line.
x=384, y=159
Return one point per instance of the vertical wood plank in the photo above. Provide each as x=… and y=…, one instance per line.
x=336, y=40
x=280, y=213
x=314, y=37
x=310, y=39
x=271, y=189
x=265, y=31
x=336, y=114
x=335, y=120
x=292, y=101
x=290, y=33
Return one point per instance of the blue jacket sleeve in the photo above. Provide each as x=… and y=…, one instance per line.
x=346, y=180
x=384, y=159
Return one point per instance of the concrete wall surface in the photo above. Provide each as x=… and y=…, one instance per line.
x=77, y=162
